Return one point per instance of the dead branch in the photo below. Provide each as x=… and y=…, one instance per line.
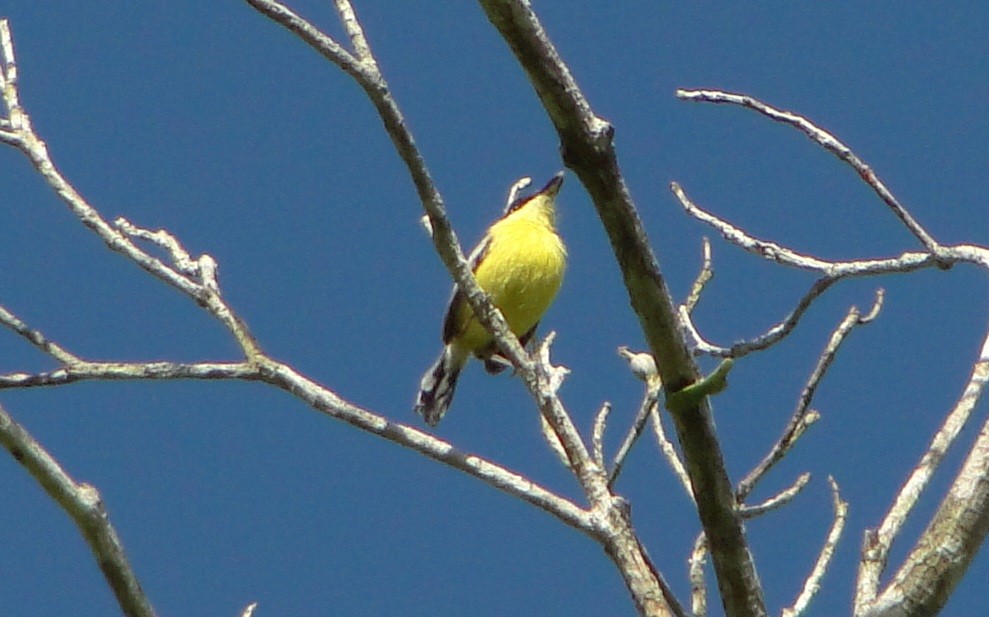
x=829, y=142
x=778, y=500
x=802, y=417
x=813, y=583
x=878, y=542
x=84, y=505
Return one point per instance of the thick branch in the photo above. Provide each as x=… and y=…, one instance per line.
x=965, y=507
x=587, y=147
x=947, y=547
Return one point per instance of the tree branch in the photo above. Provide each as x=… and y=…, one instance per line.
x=947, y=547
x=705, y=275
x=966, y=505
x=829, y=142
x=197, y=279
x=778, y=500
x=802, y=417
x=587, y=147
x=36, y=338
x=813, y=583
x=83, y=504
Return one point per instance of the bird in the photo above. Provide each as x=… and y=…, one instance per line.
x=519, y=263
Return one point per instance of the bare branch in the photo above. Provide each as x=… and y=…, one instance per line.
x=35, y=337
x=829, y=142
x=82, y=502
x=907, y=262
x=28, y=142
x=946, y=549
x=286, y=378
x=180, y=257
x=878, y=542
x=778, y=500
x=643, y=366
x=698, y=584
x=764, y=341
x=325, y=45
x=705, y=275
x=597, y=437
x=672, y=457
x=513, y=193
x=802, y=417
x=813, y=583
x=15, y=120
x=638, y=424
x=355, y=31
x=129, y=371
x=588, y=149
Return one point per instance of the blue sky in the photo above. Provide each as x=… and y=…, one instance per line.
x=210, y=121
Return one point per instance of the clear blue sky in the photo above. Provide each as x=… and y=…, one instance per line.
x=210, y=121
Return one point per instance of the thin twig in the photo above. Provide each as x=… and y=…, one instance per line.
x=638, y=424
x=778, y=500
x=325, y=45
x=830, y=272
x=35, y=337
x=829, y=142
x=513, y=193
x=31, y=145
x=764, y=341
x=597, y=436
x=162, y=238
x=82, y=502
x=670, y=452
x=813, y=583
x=355, y=31
x=705, y=275
x=802, y=417
x=643, y=367
x=698, y=583
x=907, y=262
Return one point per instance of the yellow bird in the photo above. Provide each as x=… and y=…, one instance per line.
x=520, y=264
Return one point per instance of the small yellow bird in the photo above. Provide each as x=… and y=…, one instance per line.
x=520, y=264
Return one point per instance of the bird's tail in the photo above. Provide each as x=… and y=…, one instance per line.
x=437, y=386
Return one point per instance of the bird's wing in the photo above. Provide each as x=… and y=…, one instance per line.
x=457, y=299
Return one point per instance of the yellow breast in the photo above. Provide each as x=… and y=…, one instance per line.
x=522, y=271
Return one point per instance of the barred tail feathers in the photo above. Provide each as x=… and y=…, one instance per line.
x=438, y=384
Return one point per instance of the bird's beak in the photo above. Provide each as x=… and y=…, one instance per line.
x=553, y=186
